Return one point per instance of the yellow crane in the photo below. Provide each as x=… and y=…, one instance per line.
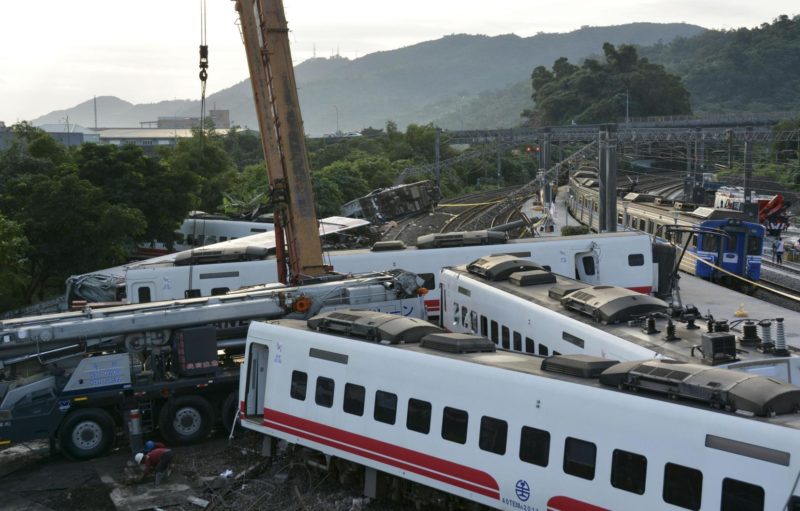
x=266, y=41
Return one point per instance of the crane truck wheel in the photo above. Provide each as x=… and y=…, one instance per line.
x=86, y=433
x=186, y=419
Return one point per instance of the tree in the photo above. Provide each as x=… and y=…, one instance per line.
x=327, y=196
x=162, y=193
x=13, y=265
x=205, y=157
x=347, y=178
x=71, y=229
x=604, y=92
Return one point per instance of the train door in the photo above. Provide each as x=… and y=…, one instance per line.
x=587, y=266
x=257, y=361
x=143, y=292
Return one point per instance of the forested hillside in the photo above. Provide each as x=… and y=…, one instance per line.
x=755, y=69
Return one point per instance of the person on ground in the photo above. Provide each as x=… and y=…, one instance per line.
x=150, y=445
x=779, y=249
x=156, y=461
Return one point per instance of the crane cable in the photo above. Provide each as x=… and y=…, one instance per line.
x=203, y=63
x=203, y=78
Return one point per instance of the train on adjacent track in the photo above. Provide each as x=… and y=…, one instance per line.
x=720, y=244
x=511, y=431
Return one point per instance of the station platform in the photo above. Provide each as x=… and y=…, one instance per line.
x=723, y=303
x=553, y=218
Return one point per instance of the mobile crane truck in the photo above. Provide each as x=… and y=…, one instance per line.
x=79, y=378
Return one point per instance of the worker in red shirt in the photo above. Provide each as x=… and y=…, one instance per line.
x=156, y=461
x=150, y=445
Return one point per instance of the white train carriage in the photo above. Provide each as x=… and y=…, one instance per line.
x=575, y=256
x=523, y=307
x=511, y=431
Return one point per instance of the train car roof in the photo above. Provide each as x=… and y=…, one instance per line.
x=757, y=397
x=609, y=308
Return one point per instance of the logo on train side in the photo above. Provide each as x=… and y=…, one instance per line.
x=523, y=490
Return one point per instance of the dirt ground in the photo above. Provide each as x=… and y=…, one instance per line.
x=213, y=475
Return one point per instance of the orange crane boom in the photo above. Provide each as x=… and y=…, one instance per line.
x=266, y=40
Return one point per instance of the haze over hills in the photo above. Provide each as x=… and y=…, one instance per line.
x=446, y=81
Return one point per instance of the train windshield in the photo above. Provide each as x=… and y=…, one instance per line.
x=710, y=243
x=753, y=245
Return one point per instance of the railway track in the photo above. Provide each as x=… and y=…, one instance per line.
x=480, y=211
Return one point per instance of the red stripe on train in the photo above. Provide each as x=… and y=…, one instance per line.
x=432, y=305
x=645, y=290
x=561, y=503
x=431, y=467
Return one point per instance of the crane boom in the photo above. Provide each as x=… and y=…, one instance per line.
x=266, y=39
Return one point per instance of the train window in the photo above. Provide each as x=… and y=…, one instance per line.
x=464, y=313
x=354, y=399
x=419, y=416
x=223, y=238
x=517, y=341
x=484, y=326
x=683, y=486
x=494, y=331
x=454, y=425
x=534, y=446
x=324, y=393
x=741, y=496
x=635, y=259
x=143, y=294
x=642, y=225
x=385, y=407
x=473, y=322
x=579, y=458
x=543, y=350
x=493, y=435
x=189, y=239
x=709, y=243
x=753, y=245
x=219, y=291
x=428, y=280
x=505, y=337
x=456, y=313
x=588, y=265
x=556, y=353
x=299, y=383
x=628, y=471
x=530, y=347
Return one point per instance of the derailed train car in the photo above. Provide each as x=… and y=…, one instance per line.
x=386, y=204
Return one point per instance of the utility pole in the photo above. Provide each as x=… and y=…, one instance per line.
x=602, y=173
x=627, y=118
x=611, y=178
x=749, y=207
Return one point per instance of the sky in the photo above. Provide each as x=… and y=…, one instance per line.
x=56, y=54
